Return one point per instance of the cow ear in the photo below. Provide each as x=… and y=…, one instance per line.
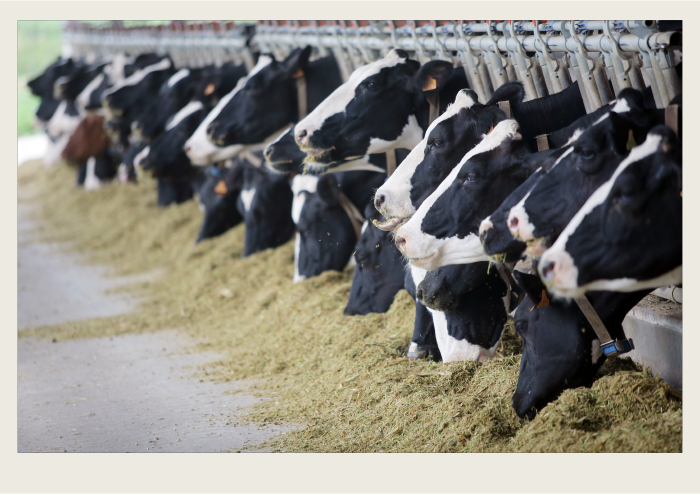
x=513, y=92
x=295, y=64
x=432, y=77
x=532, y=284
x=328, y=190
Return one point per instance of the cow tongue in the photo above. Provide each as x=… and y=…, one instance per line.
x=391, y=224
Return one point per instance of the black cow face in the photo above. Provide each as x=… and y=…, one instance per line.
x=444, y=229
x=325, y=234
x=540, y=217
x=448, y=139
x=379, y=273
x=165, y=156
x=133, y=93
x=217, y=196
x=71, y=86
x=560, y=349
x=628, y=235
x=284, y=155
x=266, y=103
x=472, y=314
x=265, y=202
x=42, y=86
x=423, y=344
x=497, y=240
x=217, y=83
x=374, y=111
x=172, y=96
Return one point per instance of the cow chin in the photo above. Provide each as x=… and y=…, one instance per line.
x=536, y=247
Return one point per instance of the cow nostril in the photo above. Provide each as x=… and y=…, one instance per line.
x=378, y=201
x=419, y=294
x=301, y=134
x=547, y=270
x=400, y=242
x=514, y=222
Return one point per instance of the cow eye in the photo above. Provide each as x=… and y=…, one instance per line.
x=586, y=154
x=436, y=143
x=521, y=327
x=471, y=178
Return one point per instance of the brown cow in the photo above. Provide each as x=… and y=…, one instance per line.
x=89, y=139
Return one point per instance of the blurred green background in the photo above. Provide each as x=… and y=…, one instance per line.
x=38, y=44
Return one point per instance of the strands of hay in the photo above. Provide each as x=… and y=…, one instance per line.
x=346, y=378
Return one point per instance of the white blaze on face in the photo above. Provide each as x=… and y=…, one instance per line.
x=486, y=225
x=564, y=277
x=178, y=76
x=83, y=98
x=61, y=123
x=247, y=196
x=397, y=189
x=199, y=149
x=138, y=76
x=339, y=99
x=426, y=250
x=523, y=229
x=185, y=112
x=300, y=185
x=115, y=70
x=140, y=157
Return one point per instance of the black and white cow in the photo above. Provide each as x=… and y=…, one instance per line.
x=468, y=309
x=424, y=344
x=383, y=106
x=496, y=238
x=265, y=202
x=444, y=229
x=217, y=197
x=454, y=133
x=379, y=269
x=543, y=213
x=560, y=349
x=628, y=234
x=127, y=170
x=326, y=213
x=262, y=106
x=166, y=160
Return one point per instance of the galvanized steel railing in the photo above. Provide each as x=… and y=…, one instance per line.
x=546, y=56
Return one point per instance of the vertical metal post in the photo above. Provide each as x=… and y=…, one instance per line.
x=470, y=63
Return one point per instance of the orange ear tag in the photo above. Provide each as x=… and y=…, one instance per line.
x=209, y=89
x=299, y=73
x=430, y=84
x=544, y=302
x=221, y=189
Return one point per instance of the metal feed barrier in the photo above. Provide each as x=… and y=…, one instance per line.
x=546, y=56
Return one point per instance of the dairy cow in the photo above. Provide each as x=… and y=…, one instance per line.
x=217, y=197
x=628, y=234
x=444, y=229
x=560, y=349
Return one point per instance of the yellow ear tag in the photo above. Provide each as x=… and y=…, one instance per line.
x=221, y=189
x=209, y=89
x=490, y=130
x=544, y=302
x=631, y=143
x=299, y=73
x=430, y=84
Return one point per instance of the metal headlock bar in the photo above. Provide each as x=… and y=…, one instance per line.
x=546, y=56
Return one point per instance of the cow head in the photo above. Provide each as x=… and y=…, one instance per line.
x=539, y=218
x=628, y=234
x=379, y=273
x=444, y=229
x=283, y=154
x=265, y=202
x=165, y=157
x=373, y=112
x=325, y=235
x=447, y=140
x=497, y=240
x=217, y=196
x=265, y=103
x=136, y=90
x=560, y=348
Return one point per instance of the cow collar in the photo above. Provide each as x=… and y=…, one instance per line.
x=302, y=96
x=610, y=347
x=355, y=216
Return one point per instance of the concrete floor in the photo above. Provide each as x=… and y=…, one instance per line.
x=130, y=393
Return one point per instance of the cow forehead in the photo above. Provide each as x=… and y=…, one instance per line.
x=306, y=183
x=185, y=112
x=505, y=130
x=417, y=154
x=140, y=75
